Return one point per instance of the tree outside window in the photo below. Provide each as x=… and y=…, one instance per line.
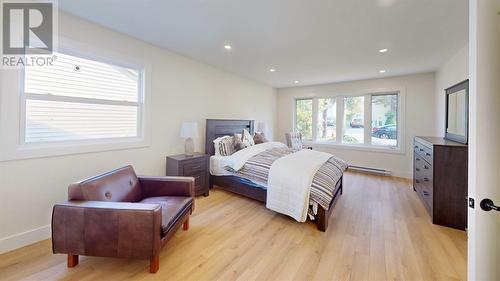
x=327, y=120
x=303, y=115
x=354, y=120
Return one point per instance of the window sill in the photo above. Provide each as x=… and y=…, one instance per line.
x=49, y=150
x=371, y=148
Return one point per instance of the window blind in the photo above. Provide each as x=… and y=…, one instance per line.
x=81, y=99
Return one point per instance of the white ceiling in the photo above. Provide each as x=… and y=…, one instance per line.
x=312, y=41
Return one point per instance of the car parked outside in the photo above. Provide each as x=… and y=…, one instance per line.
x=385, y=132
x=356, y=123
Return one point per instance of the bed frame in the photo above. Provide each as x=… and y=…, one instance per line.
x=222, y=127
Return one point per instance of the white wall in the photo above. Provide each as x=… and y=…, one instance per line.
x=419, y=118
x=453, y=71
x=180, y=88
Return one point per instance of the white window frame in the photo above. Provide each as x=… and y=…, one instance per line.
x=140, y=105
x=366, y=146
x=13, y=145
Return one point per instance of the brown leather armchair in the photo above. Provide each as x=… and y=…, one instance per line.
x=118, y=214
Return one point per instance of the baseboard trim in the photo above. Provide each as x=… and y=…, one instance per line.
x=401, y=174
x=397, y=174
x=22, y=239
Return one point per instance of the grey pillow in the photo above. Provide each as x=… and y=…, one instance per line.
x=238, y=142
x=259, y=138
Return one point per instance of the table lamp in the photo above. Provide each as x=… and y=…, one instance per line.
x=189, y=130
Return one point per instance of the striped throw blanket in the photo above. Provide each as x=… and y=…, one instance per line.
x=257, y=168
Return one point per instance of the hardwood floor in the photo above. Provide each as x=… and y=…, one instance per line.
x=379, y=231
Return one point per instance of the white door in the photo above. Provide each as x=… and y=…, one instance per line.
x=483, y=226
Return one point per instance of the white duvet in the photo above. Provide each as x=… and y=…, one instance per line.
x=290, y=177
x=289, y=183
x=218, y=165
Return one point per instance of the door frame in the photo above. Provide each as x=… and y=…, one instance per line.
x=483, y=242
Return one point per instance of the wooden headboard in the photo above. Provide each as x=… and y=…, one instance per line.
x=224, y=127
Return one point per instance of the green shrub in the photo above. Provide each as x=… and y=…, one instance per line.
x=349, y=139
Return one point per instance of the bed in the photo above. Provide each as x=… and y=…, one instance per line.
x=222, y=179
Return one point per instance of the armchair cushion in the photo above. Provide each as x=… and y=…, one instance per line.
x=120, y=185
x=172, y=208
x=167, y=186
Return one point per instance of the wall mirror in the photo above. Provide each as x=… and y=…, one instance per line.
x=457, y=112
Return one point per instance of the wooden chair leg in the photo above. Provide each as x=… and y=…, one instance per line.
x=185, y=226
x=154, y=264
x=72, y=260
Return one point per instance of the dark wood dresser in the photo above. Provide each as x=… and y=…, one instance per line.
x=195, y=166
x=440, y=179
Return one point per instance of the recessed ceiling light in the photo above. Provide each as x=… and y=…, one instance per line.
x=296, y=81
x=382, y=71
x=383, y=50
x=272, y=70
x=227, y=47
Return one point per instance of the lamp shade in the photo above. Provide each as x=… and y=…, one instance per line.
x=189, y=130
x=261, y=127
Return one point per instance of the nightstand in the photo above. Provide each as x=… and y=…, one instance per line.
x=196, y=166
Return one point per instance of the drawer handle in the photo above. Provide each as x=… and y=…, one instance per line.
x=418, y=159
x=417, y=181
x=426, y=193
x=417, y=169
x=196, y=167
x=421, y=149
x=426, y=167
x=426, y=179
x=428, y=154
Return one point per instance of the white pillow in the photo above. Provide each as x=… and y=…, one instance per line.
x=247, y=139
x=217, y=144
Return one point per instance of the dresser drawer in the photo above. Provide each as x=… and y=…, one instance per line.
x=199, y=179
x=424, y=151
x=200, y=183
x=423, y=170
x=424, y=191
x=427, y=195
x=194, y=166
x=427, y=198
x=422, y=182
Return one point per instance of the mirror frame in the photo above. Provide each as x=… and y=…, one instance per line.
x=464, y=85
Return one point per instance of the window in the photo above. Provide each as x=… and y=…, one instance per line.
x=371, y=120
x=384, y=120
x=78, y=99
x=327, y=119
x=303, y=117
x=354, y=120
